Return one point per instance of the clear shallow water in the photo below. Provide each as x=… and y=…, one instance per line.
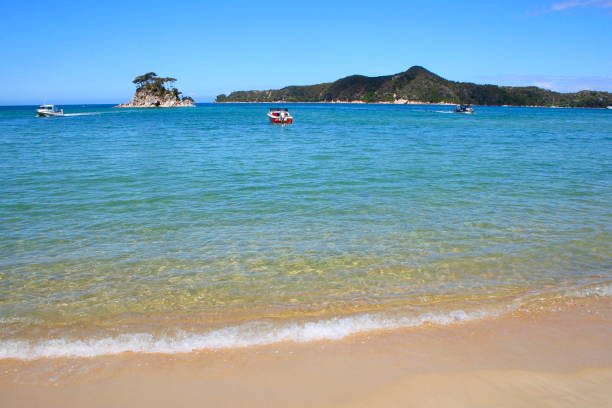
x=181, y=221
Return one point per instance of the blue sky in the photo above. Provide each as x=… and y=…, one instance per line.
x=89, y=51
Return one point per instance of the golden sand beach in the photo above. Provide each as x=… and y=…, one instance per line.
x=559, y=356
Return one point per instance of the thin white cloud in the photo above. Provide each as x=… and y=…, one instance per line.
x=543, y=84
x=559, y=83
x=581, y=3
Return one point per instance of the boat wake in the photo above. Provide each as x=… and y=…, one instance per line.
x=83, y=114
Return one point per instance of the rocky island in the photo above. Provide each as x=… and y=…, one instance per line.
x=155, y=92
x=418, y=85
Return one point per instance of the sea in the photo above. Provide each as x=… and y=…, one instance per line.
x=192, y=229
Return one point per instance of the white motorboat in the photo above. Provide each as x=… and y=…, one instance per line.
x=49, y=111
x=464, y=109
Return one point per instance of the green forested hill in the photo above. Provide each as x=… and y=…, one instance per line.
x=419, y=84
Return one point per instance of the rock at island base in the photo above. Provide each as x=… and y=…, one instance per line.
x=146, y=100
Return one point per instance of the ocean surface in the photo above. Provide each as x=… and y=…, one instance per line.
x=174, y=230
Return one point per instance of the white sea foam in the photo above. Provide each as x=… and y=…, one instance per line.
x=251, y=334
x=5, y=320
x=599, y=290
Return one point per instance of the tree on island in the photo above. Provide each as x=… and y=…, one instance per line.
x=152, y=82
x=156, y=85
x=145, y=79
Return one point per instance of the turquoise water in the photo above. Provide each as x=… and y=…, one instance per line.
x=137, y=222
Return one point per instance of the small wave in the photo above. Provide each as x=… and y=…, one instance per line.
x=599, y=290
x=9, y=320
x=251, y=334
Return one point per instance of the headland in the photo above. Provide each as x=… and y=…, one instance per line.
x=417, y=85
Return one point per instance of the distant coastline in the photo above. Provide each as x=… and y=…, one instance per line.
x=353, y=102
x=411, y=103
x=417, y=85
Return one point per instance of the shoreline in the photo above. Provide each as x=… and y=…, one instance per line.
x=182, y=333
x=559, y=356
x=114, y=105
x=399, y=102
x=406, y=103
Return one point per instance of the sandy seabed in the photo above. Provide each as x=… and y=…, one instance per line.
x=560, y=356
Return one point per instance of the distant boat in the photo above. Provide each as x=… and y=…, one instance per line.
x=609, y=107
x=280, y=115
x=464, y=109
x=48, y=111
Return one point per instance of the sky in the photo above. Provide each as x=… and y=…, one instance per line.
x=66, y=52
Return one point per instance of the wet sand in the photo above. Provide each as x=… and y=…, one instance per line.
x=555, y=355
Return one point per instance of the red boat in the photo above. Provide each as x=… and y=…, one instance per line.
x=280, y=115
